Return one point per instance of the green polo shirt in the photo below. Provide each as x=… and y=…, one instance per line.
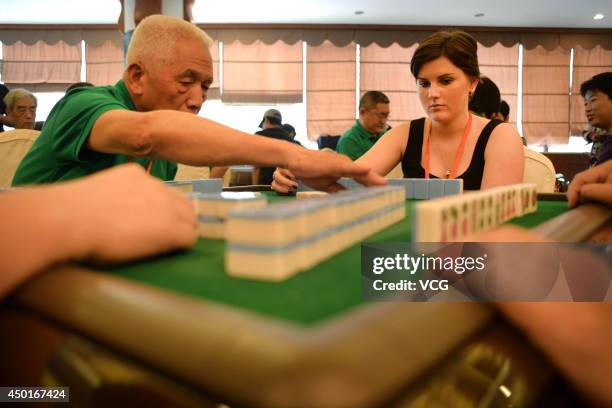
x=60, y=152
x=356, y=141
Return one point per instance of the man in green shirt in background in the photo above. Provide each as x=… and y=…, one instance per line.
x=150, y=117
x=371, y=125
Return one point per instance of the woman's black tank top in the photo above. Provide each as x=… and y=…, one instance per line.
x=472, y=177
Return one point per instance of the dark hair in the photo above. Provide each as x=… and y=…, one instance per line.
x=79, y=85
x=371, y=98
x=504, y=109
x=274, y=120
x=486, y=98
x=600, y=82
x=288, y=128
x=3, y=91
x=458, y=46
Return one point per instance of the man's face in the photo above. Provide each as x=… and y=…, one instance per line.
x=598, y=109
x=182, y=83
x=23, y=113
x=374, y=119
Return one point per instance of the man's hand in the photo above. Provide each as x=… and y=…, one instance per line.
x=321, y=171
x=123, y=214
x=117, y=215
x=594, y=184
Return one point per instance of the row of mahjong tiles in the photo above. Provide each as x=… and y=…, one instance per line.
x=419, y=189
x=416, y=189
x=278, y=241
x=213, y=208
x=455, y=217
x=443, y=215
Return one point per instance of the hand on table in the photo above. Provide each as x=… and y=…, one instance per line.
x=116, y=215
x=321, y=171
x=123, y=214
x=594, y=184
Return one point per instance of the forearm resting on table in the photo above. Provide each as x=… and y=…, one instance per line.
x=184, y=138
x=37, y=232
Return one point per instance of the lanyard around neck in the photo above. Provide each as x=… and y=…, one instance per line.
x=458, y=155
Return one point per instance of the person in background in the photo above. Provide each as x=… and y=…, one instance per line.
x=20, y=108
x=504, y=111
x=369, y=128
x=4, y=120
x=291, y=132
x=596, y=137
x=485, y=99
x=597, y=94
x=271, y=126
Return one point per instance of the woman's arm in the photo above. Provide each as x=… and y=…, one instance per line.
x=388, y=151
x=504, y=158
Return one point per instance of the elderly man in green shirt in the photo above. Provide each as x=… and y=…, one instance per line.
x=150, y=117
x=371, y=125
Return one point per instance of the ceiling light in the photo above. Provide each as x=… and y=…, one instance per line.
x=598, y=16
x=479, y=15
x=359, y=12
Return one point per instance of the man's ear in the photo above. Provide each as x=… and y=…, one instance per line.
x=134, y=78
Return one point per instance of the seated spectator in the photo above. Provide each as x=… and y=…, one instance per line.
x=3, y=118
x=597, y=94
x=485, y=99
x=596, y=137
x=272, y=126
x=369, y=128
x=504, y=111
x=20, y=109
x=290, y=131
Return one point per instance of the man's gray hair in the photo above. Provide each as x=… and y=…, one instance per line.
x=155, y=37
x=18, y=93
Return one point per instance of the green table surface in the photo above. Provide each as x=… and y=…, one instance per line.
x=330, y=288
